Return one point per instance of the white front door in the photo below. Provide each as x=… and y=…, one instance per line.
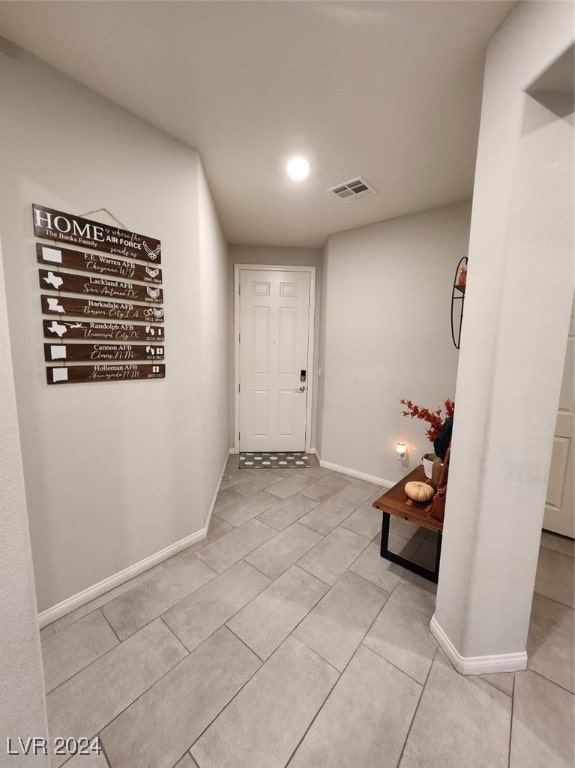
x=274, y=317
x=560, y=507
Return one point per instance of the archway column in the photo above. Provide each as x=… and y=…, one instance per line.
x=517, y=309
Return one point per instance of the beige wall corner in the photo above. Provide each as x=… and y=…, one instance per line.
x=22, y=702
x=518, y=301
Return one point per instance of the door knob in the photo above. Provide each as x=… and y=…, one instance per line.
x=301, y=389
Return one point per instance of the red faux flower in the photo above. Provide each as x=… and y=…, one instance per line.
x=434, y=418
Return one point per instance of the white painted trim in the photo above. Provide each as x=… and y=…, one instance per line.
x=356, y=473
x=236, y=358
x=215, y=497
x=81, y=598
x=477, y=665
x=311, y=335
x=91, y=593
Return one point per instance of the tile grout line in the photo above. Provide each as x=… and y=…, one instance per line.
x=243, y=560
x=253, y=517
x=360, y=644
x=309, y=573
x=511, y=723
x=101, y=656
x=489, y=682
x=314, y=718
x=251, y=600
x=338, y=679
x=251, y=650
x=553, y=682
x=180, y=641
x=108, y=623
x=239, y=689
x=366, y=632
x=554, y=600
x=391, y=664
x=159, y=566
x=108, y=764
x=177, y=664
x=338, y=525
x=102, y=728
x=313, y=650
x=224, y=623
x=121, y=642
x=416, y=710
x=263, y=590
x=181, y=757
x=159, y=615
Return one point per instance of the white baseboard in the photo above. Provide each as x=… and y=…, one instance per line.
x=477, y=665
x=354, y=473
x=91, y=593
x=215, y=496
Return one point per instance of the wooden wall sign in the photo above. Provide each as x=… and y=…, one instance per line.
x=63, y=305
x=95, y=285
x=97, y=264
x=56, y=353
x=71, y=330
x=67, y=228
x=109, y=332
x=89, y=373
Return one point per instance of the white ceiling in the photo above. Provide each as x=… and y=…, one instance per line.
x=390, y=91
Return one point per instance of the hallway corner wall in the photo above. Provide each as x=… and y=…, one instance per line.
x=518, y=301
x=386, y=336
x=22, y=702
x=118, y=471
x=216, y=367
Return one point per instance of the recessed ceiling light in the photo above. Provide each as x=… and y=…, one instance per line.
x=297, y=168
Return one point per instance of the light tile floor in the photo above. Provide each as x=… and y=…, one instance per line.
x=284, y=639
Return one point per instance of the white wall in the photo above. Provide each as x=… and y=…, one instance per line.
x=115, y=471
x=214, y=338
x=519, y=292
x=386, y=336
x=293, y=257
x=22, y=704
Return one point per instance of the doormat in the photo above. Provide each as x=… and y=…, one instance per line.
x=295, y=460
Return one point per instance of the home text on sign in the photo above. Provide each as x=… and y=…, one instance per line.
x=67, y=228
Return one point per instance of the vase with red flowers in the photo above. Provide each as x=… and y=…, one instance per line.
x=438, y=432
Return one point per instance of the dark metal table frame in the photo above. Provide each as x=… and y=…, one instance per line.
x=396, y=503
x=409, y=564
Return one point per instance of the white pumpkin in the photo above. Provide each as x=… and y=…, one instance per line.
x=418, y=491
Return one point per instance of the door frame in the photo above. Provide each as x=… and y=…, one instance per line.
x=310, y=345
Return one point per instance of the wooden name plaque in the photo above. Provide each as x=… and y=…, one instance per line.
x=89, y=373
x=67, y=228
x=68, y=330
x=63, y=305
x=102, y=315
x=98, y=286
x=55, y=353
x=97, y=264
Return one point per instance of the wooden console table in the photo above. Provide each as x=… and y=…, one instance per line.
x=395, y=502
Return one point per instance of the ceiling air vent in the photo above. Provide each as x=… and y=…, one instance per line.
x=353, y=190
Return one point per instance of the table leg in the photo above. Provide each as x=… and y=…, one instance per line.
x=383, y=551
x=403, y=561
